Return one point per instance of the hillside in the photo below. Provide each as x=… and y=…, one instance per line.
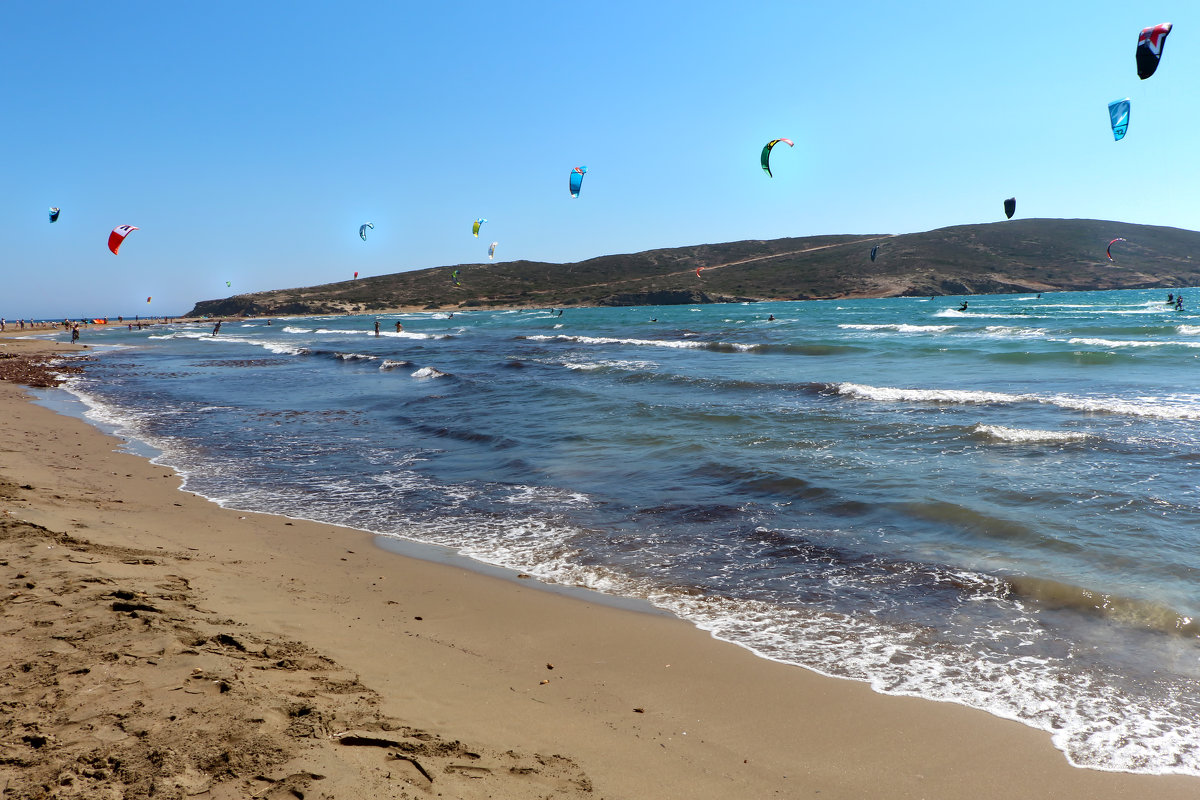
x=1014, y=256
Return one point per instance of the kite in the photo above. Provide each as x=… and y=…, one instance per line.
x=54, y=213
x=766, y=154
x=362, y=230
x=874, y=252
x=475, y=226
x=698, y=271
x=1118, y=113
x=1150, y=48
x=454, y=277
x=147, y=299
x=227, y=283
x=118, y=236
x=1110, y=244
x=356, y=275
x=577, y=180
x=1010, y=207
x=492, y=251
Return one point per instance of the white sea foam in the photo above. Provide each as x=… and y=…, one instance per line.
x=1009, y=331
x=1093, y=725
x=1189, y=330
x=610, y=340
x=1000, y=433
x=388, y=363
x=900, y=328
x=890, y=394
x=1167, y=407
x=541, y=496
x=428, y=372
x=611, y=364
x=1094, y=342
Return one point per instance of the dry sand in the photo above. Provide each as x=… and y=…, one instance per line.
x=153, y=644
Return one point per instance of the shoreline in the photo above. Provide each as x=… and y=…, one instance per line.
x=637, y=704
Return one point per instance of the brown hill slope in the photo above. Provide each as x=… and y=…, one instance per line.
x=1015, y=256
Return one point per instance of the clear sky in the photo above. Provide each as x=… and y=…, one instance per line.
x=249, y=140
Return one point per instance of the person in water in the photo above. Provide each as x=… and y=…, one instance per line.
x=963, y=307
x=376, y=327
x=399, y=327
x=217, y=328
x=770, y=318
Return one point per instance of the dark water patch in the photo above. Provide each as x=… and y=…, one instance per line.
x=773, y=486
x=686, y=513
x=1127, y=330
x=272, y=361
x=456, y=434
x=1128, y=611
x=955, y=517
x=291, y=413
x=784, y=349
x=1077, y=357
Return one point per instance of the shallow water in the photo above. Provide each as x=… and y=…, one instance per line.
x=997, y=507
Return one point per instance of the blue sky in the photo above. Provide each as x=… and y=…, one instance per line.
x=248, y=141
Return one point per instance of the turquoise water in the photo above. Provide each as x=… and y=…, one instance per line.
x=997, y=506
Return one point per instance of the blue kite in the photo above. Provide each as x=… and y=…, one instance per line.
x=577, y=180
x=1118, y=112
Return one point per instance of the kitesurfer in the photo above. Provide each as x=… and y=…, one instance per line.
x=216, y=328
x=376, y=327
x=770, y=318
x=1170, y=297
x=399, y=327
x=1179, y=303
x=963, y=307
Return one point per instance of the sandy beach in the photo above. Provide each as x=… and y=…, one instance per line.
x=155, y=644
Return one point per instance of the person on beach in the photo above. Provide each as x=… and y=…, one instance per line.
x=399, y=327
x=75, y=333
x=376, y=327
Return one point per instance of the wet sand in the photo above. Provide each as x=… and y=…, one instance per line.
x=157, y=644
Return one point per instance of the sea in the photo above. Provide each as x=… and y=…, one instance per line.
x=996, y=506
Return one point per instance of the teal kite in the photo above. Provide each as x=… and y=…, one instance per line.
x=766, y=154
x=475, y=226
